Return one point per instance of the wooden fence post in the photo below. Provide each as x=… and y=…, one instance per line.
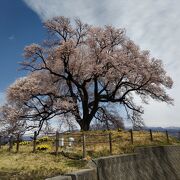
x=84, y=145
x=10, y=143
x=34, y=141
x=167, y=136
x=110, y=143
x=17, y=143
x=57, y=142
x=151, y=136
x=0, y=141
x=179, y=135
x=131, y=132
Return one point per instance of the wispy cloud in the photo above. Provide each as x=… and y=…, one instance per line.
x=154, y=25
x=12, y=37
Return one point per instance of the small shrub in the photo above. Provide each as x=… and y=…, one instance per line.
x=24, y=143
x=44, y=139
x=43, y=147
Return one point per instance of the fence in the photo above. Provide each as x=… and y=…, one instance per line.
x=84, y=143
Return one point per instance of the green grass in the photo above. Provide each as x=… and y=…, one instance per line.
x=27, y=165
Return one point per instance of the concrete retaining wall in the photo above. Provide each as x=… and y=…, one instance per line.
x=146, y=164
x=152, y=163
x=85, y=174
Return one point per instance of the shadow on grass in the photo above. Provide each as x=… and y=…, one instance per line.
x=79, y=164
x=18, y=175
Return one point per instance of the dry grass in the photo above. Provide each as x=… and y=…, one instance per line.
x=35, y=165
x=27, y=165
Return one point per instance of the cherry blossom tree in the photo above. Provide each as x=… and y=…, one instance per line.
x=35, y=95
x=10, y=121
x=85, y=68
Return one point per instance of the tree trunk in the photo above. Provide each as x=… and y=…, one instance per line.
x=85, y=125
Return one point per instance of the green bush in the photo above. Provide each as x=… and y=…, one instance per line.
x=43, y=147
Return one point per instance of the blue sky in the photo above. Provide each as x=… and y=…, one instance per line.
x=154, y=25
x=19, y=26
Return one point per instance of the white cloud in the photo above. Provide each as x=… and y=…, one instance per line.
x=154, y=25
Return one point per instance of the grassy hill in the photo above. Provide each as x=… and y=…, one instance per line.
x=44, y=163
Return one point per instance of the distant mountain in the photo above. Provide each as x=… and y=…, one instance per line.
x=27, y=138
x=173, y=131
